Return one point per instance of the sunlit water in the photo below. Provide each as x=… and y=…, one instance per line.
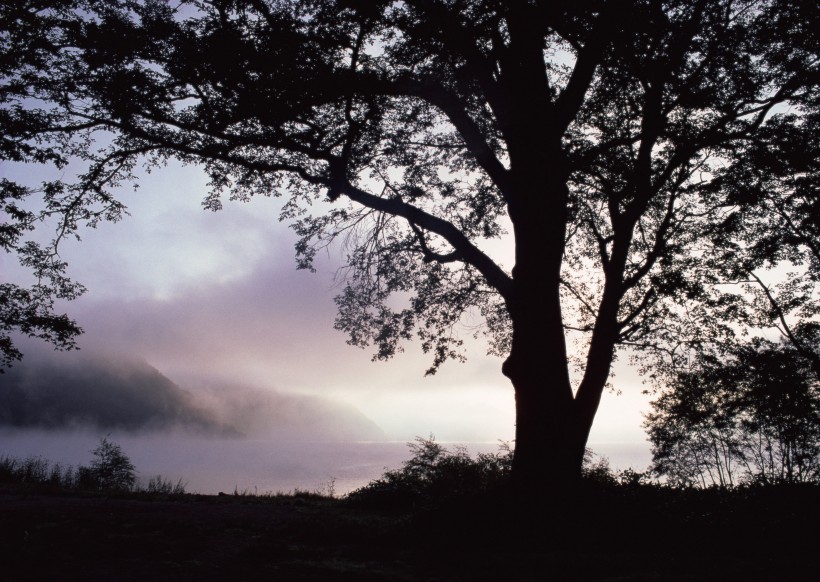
x=210, y=465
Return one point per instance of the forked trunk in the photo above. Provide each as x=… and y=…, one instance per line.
x=550, y=434
x=552, y=423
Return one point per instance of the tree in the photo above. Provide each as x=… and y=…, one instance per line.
x=753, y=417
x=774, y=225
x=111, y=467
x=31, y=310
x=594, y=131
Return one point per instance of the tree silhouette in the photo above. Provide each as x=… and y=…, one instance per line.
x=111, y=468
x=751, y=417
x=28, y=310
x=593, y=133
x=774, y=223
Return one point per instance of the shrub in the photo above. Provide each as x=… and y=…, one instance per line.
x=435, y=475
x=751, y=416
x=598, y=471
x=8, y=469
x=111, y=468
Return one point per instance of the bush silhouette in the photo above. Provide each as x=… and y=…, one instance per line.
x=435, y=475
x=111, y=468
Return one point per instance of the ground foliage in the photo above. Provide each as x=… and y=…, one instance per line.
x=632, y=150
x=437, y=478
x=110, y=471
x=644, y=531
x=435, y=475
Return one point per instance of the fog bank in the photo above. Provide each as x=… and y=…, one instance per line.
x=55, y=391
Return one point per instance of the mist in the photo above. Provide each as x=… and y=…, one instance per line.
x=109, y=392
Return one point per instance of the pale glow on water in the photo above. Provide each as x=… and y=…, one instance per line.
x=211, y=465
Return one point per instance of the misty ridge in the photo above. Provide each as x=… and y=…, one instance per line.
x=58, y=391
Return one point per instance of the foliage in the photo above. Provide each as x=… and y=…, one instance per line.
x=752, y=417
x=768, y=240
x=111, y=468
x=621, y=144
x=435, y=475
x=30, y=310
x=598, y=471
x=36, y=470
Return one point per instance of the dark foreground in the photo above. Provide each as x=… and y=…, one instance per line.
x=623, y=536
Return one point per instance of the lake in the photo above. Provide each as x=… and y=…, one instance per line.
x=211, y=465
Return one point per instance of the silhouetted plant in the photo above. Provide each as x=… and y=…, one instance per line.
x=111, y=469
x=327, y=488
x=629, y=477
x=36, y=471
x=160, y=485
x=751, y=418
x=9, y=469
x=598, y=470
x=434, y=474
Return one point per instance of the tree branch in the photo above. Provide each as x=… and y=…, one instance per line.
x=804, y=351
x=456, y=112
x=467, y=251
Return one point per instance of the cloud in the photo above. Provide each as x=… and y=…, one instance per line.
x=264, y=413
x=169, y=241
x=272, y=327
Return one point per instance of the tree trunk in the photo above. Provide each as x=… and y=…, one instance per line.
x=552, y=427
x=552, y=423
x=549, y=447
x=550, y=434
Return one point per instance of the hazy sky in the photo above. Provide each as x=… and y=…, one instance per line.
x=213, y=300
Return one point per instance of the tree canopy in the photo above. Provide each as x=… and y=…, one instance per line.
x=753, y=417
x=631, y=151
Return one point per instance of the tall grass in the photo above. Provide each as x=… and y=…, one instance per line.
x=41, y=474
x=37, y=471
x=159, y=484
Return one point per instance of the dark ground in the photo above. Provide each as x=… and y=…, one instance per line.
x=623, y=536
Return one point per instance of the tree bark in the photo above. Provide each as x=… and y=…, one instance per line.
x=548, y=449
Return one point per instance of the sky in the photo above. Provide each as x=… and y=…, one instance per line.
x=209, y=310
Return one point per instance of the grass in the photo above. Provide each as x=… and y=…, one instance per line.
x=613, y=533
x=39, y=475
x=162, y=486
